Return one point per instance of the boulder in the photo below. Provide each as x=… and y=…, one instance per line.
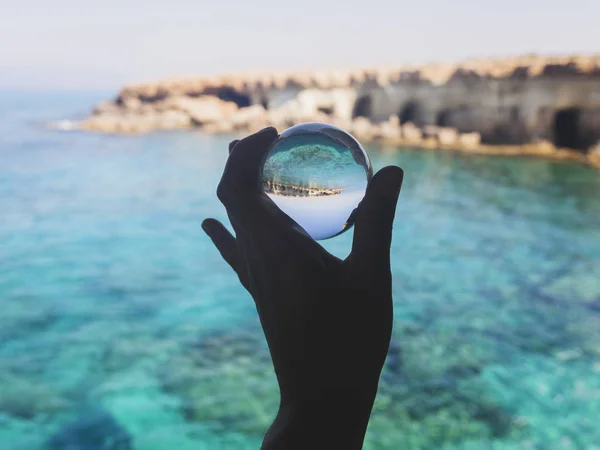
x=447, y=136
x=107, y=123
x=362, y=128
x=594, y=154
x=411, y=133
x=431, y=131
x=106, y=107
x=205, y=109
x=131, y=103
x=292, y=113
x=389, y=131
x=544, y=146
x=394, y=120
x=470, y=140
x=172, y=120
x=137, y=122
x=313, y=105
x=244, y=116
x=333, y=102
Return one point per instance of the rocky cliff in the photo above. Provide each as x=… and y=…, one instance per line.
x=527, y=105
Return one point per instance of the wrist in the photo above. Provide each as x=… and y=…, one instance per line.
x=324, y=420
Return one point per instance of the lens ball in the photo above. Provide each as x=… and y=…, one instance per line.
x=317, y=174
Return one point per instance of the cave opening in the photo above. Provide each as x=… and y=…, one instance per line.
x=328, y=110
x=362, y=107
x=411, y=112
x=442, y=118
x=567, y=129
x=231, y=95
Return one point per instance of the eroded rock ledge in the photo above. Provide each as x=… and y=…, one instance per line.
x=535, y=105
x=290, y=190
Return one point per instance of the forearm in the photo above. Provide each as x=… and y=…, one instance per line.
x=335, y=420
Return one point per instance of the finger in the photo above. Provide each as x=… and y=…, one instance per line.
x=374, y=220
x=251, y=212
x=242, y=175
x=232, y=144
x=224, y=241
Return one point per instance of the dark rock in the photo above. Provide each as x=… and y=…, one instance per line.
x=94, y=429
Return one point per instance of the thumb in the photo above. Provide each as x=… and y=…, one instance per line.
x=374, y=219
x=227, y=246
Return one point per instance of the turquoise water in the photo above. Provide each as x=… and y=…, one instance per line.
x=121, y=328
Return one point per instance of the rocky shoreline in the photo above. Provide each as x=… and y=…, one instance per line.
x=289, y=190
x=531, y=105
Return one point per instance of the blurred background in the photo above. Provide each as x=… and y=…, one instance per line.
x=121, y=327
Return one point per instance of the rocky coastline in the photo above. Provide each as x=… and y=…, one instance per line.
x=289, y=190
x=531, y=105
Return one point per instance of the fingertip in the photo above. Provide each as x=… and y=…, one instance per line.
x=389, y=178
x=242, y=175
x=267, y=134
x=232, y=144
x=268, y=131
x=386, y=184
x=207, y=224
x=393, y=171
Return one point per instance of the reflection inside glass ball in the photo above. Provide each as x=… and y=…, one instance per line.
x=317, y=174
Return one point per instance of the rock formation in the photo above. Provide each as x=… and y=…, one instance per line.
x=92, y=429
x=526, y=105
x=289, y=190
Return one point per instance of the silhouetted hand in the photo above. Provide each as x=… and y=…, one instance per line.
x=327, y=322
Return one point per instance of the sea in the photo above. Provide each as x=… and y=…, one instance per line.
x=121, y=327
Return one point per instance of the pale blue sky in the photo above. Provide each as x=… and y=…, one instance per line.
x=102, y=44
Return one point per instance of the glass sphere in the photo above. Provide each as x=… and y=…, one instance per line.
x=317, y=174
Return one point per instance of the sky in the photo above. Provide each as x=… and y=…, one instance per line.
x=104, y=43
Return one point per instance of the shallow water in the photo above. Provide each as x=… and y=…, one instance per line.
x=119, y=317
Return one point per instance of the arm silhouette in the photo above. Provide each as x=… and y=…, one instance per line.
x=327, y=321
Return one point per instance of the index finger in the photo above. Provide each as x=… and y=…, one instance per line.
x=242, y=175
